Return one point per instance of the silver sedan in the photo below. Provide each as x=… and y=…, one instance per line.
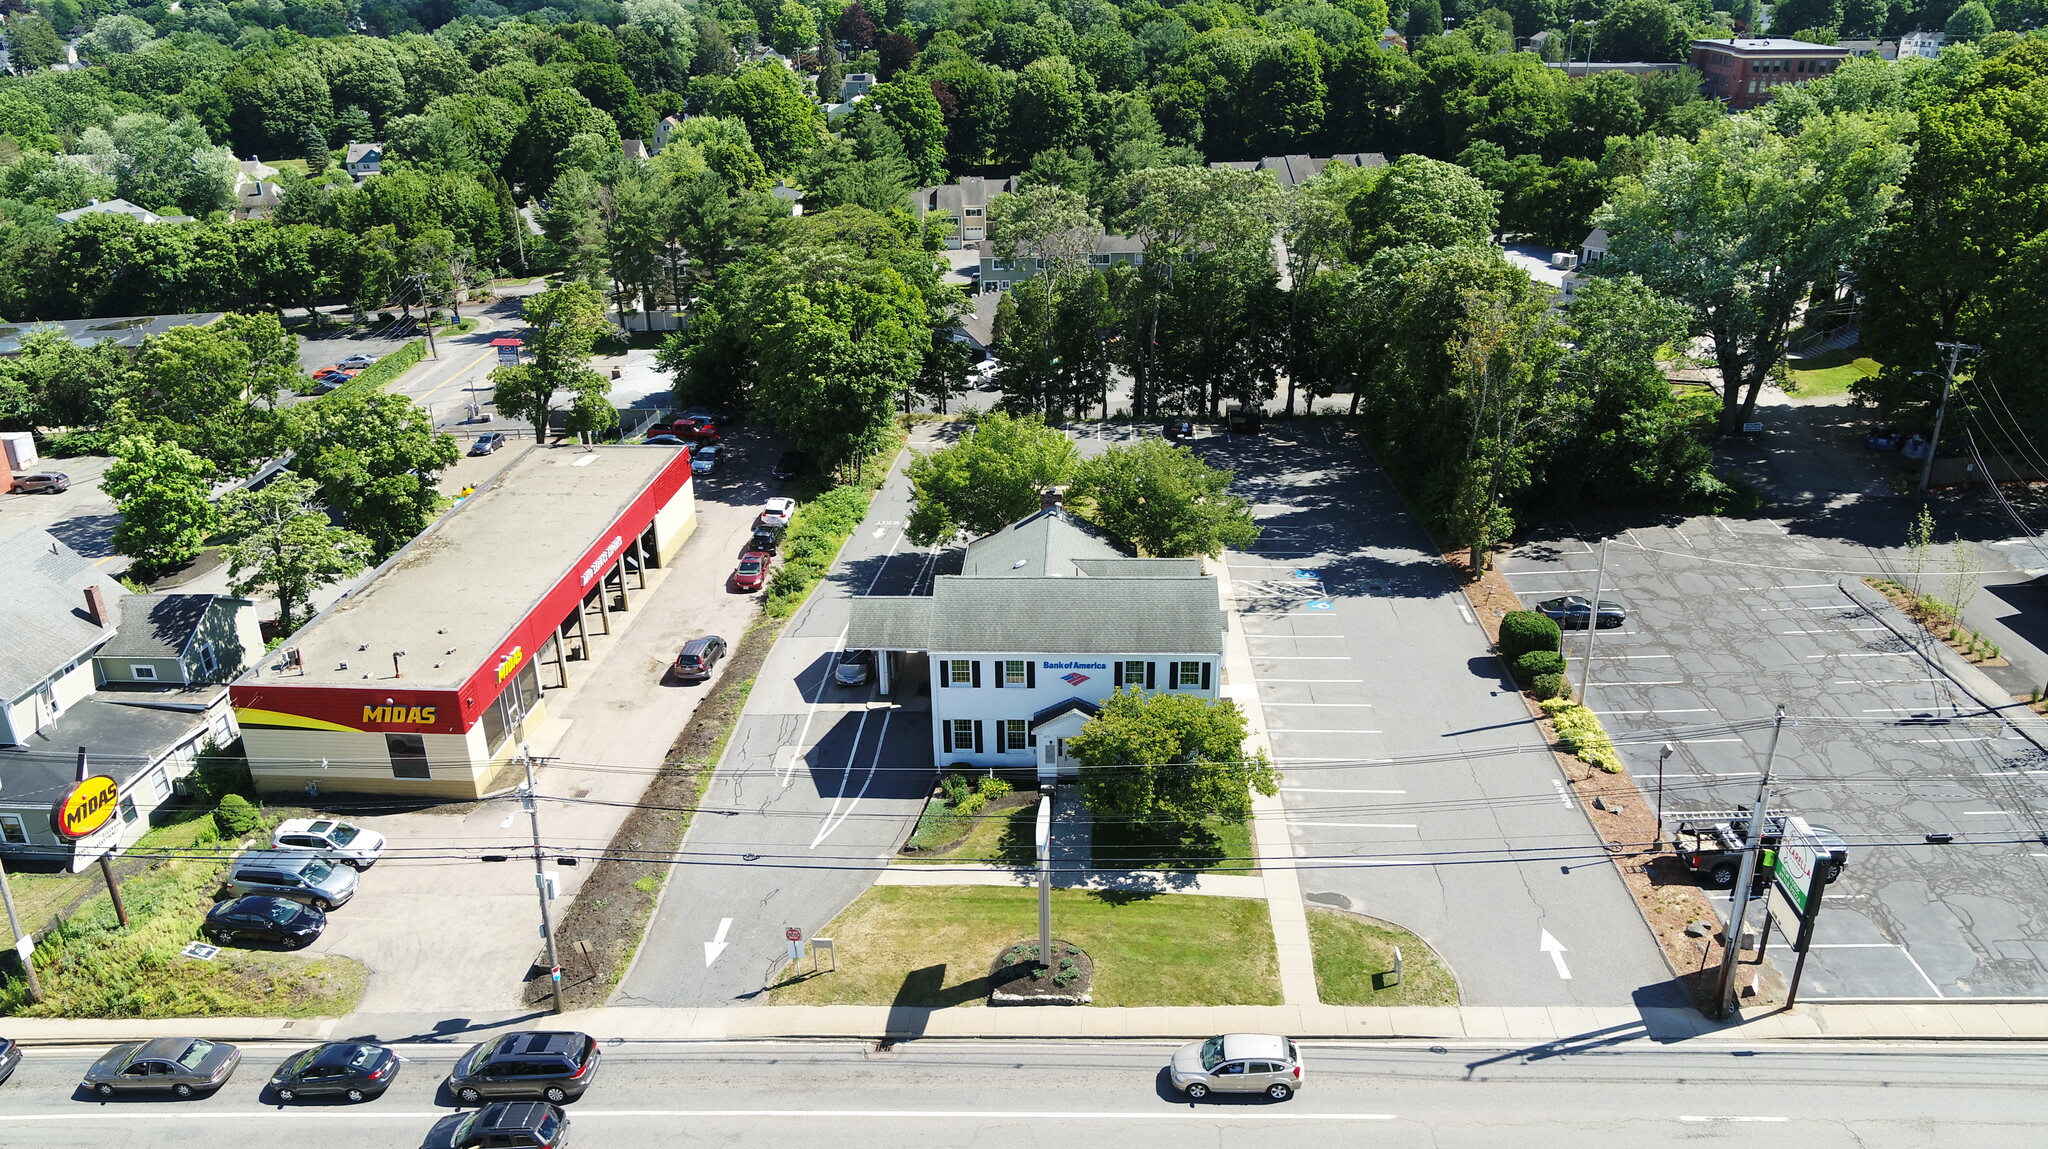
x=179, y=1066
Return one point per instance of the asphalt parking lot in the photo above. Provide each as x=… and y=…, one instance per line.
x=1729, y=618
x=1417, y=788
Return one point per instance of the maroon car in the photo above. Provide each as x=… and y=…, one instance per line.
x=751, y=573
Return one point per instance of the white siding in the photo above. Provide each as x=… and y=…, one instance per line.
x=75, y=684
x=991, y=704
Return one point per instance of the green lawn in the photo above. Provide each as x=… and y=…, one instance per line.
x=1003, y=835
x=1354, y=958
x=1832, y=374
x=932, y=946
x=92, y=967
x=1208, y=845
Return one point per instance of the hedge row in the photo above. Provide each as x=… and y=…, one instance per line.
x=1579, y=732
x=816, y=532
x=385, y=370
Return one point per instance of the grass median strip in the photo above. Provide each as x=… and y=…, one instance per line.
x=1354, y=957
x=924, y=946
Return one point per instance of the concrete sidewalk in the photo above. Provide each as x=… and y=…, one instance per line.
x=1553, y=1028
x=1144, y=881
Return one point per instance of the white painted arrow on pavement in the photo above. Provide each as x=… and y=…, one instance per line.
x=716, y=945
x=1549, y=945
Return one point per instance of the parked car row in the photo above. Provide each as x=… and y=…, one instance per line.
x=520, y=1080
x=281, y=896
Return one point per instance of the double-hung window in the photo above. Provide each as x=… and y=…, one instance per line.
x=1016, y=735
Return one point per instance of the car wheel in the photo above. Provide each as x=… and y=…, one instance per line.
x=182, y=1089
x=287, y=1094
x=1833, y=871
x=1279, y=1091
x=1196, y=1091
x=469, y=1095
x=354, y=1095
x=1722, y=875
x=103, y=1089
x=292, y=941
x=555, y=1093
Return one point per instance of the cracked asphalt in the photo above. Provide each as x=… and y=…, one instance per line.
x=1730, y=617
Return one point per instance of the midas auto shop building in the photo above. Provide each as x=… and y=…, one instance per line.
x=430, y=676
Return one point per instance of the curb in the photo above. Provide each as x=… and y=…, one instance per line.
x=1970, y=680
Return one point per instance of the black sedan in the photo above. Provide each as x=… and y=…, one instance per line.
x=1571, y=611
x=10, y=1056
x=350, y=1069
x=264, y=919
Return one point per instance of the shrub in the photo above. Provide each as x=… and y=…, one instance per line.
x=955, y=787
x=236, y=816
x=72, y=444
x=218, y=774
x=1548, y=686
x=1522, y=631
x=992, y=787
x=1538, y=663
x=1580, y=734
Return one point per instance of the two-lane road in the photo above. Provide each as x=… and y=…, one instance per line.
x=1603, y=1090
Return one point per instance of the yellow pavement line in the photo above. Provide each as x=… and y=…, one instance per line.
x=481, y=356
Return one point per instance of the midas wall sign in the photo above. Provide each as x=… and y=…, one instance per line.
x=395, y=715
x=88, y=806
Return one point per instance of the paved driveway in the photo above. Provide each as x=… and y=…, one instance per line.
x=1417, y=788
x=818, y=787
x=1729, y=618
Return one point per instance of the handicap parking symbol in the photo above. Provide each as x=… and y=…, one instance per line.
x=1308, y=574
x=1319, y=604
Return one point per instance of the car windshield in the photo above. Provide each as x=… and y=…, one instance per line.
x=343, y=834
x=282, y=911
x=1212, y=1053
x=195, y=1053
x=750, y=566
x=462, y=1131
x=317, y=871
x=296, y=1065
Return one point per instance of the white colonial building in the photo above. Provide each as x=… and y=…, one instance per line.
x=1045, y=621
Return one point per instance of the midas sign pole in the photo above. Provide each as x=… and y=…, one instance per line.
x=83, y=811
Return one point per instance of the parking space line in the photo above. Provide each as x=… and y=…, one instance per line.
x=1271, y=705
x=1625, y=682
x=1358, y=825
x=1687, y=710
x=1360, y=761
x=1569, y=570
x=1311, y=680
x=1301, y=658
x=1838, y=630
x=1682, y=741
x=1297, y=730
x=1320, y=790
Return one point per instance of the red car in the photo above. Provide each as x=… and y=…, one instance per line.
x=696, y=429
x=752, y=571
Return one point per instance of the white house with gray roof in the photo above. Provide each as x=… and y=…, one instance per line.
x=1046, y=620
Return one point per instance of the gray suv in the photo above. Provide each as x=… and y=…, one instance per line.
x=293, y=874
x=557, y=1065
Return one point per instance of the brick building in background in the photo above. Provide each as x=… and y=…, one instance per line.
x=1744, y=73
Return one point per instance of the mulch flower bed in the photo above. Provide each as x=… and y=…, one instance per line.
x=1017, y=977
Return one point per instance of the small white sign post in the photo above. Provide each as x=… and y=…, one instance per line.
x=1044, y=836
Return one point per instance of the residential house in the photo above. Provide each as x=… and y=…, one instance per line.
x=855, y=86
x=1290, y=171
x=119, y=207
x=160, y=664
x=1745, y=73
x=1392, y=40
x=664, y=131
x=1924, y=44
x=999, y=273
x=963, y=203
x=363, y=160
x=633, y=149
x=1593, y=248
x=1047, y=619
x=1882, y=49
x=789, y=196
x=257, y=192
x=1625, y=67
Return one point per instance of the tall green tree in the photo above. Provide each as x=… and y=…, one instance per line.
x=1741, y=223
x=283, y=542
x=783, y=121
x=1169, y=757
x=991, y=477
x=376, y=459
x=1165, y=499
x=160, y=491
x=198, y=387
x=562, y=326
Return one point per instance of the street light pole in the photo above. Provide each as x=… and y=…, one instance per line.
x=1663, y=754
x=1948, y=382
x=540, y=878
x=1592, y=627
x=1738, y=905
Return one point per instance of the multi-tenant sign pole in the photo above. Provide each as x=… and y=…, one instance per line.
x=24, y=946
x=1738, y=906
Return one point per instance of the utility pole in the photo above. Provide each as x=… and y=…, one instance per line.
x=25, y=954
x=1592, y=628
x=1738, y=906
x=420, y=281
x=1948, y=383
x=540, y=878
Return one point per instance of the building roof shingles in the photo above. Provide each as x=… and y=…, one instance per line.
x=43, y=612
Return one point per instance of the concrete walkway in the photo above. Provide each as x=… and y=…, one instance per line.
x=1142, y=881
x=1551, y=1029
x=1270, y=839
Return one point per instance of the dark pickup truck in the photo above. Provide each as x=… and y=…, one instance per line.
x=1712, y=844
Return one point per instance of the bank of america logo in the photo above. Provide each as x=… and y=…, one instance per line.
x=1074, y=679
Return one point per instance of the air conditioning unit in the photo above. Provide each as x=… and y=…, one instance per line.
x=1564, y=260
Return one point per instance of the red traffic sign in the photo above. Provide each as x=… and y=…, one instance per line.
x=793, y=934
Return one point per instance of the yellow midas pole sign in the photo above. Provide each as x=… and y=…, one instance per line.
x=88, y=806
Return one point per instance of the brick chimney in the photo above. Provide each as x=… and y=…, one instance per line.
x=1050, y=497
x=96, y=606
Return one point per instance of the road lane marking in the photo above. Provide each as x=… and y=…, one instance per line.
x=1837, y=630
x=1294, y=730
x=1555, y=949
x=1317, y=681
x=874, y=766
x=1204, y=1114
x=1316, y=790
x=1358, y=825
x=1687, y=710
x=1271, y=705
x=717, y=944
x=1699, y=1120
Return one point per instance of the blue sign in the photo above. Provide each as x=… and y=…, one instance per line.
x=1308, y=574
x=1319, y=604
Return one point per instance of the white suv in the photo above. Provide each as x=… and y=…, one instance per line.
x=350, y=845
